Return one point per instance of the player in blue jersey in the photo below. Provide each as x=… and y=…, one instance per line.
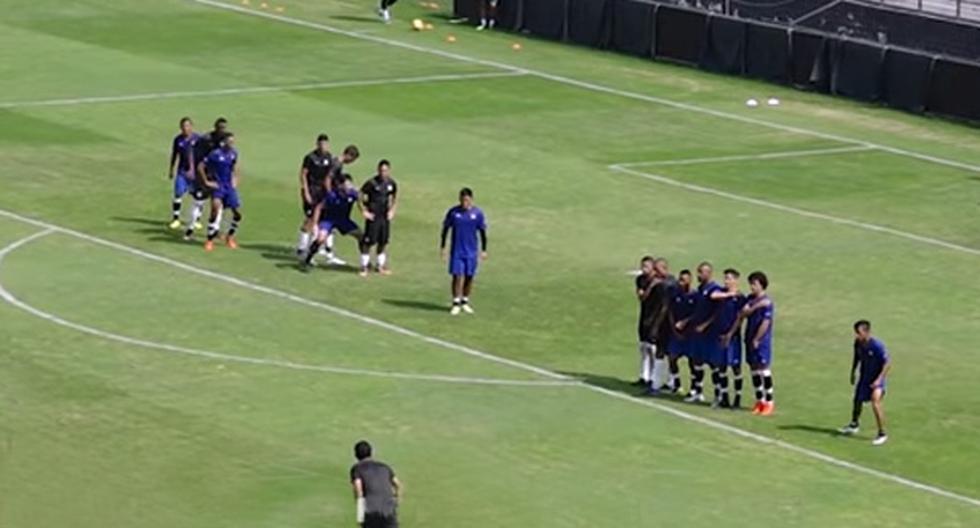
x=220, y=173
x=727, y=350
x=182, y=167
x=333, y=212
x=200, y=190
x=871, y=360
x=759, y=312
x=681, y=309
x=699, y=324
x=469, y=247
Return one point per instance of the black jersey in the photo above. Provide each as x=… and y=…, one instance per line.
x=318, y=166
x=654, y=324
x=378, y=194
x=379, y=492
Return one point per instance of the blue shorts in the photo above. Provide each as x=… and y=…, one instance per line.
x=344, y=225
x=183, y=183
x=228, y=196
x=698, y=347
x=721, y=356
x=463, y=265
x=863, y=390
x=758, y=356
x=679, y=346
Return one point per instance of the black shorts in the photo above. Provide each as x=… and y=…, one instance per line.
x=379, y=520
x=200, y=192
x=376, y=232
x=308, y=207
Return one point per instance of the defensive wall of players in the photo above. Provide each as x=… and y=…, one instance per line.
x=901, y=78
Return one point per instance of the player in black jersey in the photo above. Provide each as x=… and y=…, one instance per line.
x=379, y=201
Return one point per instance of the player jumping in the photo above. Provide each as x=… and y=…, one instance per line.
x=872, y=359
x=220, y=172
x=759, y=312
x=182, y=167
x=378, y=204
x=467, y=223
x=333, y=212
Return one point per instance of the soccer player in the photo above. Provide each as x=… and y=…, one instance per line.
x=654, y=288
x=376, y=490
x=220, y=172
x=333, y=212
x=384, y=10
x=378, y=204
x=872, y=359
x=313, y=186
x=182, y=167
x=488, y=14
x=200, y=190
x=679, y=343
x=705, y=312
x=727, y=352
x=758, y=312
x=336, y=178
x=468, y=224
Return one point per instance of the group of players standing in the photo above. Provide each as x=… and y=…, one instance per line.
x=705, y=325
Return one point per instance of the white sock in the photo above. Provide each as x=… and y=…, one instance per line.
x=197, y=211
x=365, y=260
x=483, y=21
x=659, y=376
x=645, y=359
x=329, y=244
x=382, y=260
x=304, y=240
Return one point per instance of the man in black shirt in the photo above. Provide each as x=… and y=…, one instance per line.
x=313, y=186
x=376, y=490
x=379, y=201
x=654, y=290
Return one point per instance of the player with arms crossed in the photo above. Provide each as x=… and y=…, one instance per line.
x=376, y=490
x=759, y=311
x=333, y=212
x=182, y=168
x=467, y=223
x=379, y=201
x=872, y=359
x=220, y=172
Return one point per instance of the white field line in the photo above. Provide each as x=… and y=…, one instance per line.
x=245, y=90
x=795, y=210
x=10, y=298
x=750, y=157
x=816, y=455
x=584, y=84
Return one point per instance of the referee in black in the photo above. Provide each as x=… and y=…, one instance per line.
x=376, y=489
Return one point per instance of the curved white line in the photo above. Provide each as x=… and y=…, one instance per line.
x=11, y=299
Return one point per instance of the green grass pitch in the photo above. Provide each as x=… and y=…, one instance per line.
x=146, y=383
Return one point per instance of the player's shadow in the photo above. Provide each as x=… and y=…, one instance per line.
x=356, y=18
x=620, y=385
x=416, y=305
x=816, y=429
x=277, y=252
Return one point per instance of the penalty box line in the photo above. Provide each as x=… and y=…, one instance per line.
x=248, y=90
x=809, y=453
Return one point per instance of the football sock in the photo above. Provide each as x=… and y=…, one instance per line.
x=466, y=300
x=330, y=243
x=767, y=384
x=197, y=211
x=176, y=207
x=697, y=382
x=644, y=363
x=457, y=301
x=757, y=384
x=659, y=375
x=311, y=251
x=382, y=260
x=856, y=413
x=365, y=260
x=304, y=240
x=716, y=381
x=213, y=228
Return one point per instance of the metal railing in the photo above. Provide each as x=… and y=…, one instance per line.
x=965, y=9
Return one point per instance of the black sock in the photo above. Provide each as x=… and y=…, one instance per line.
x=856, y=413
x=176, y=208
x=697, y=382
x=767, y=385
x=311, y=252
x=757, y=384
x=233, y=228
x=738, y=385
x=723, y=381
x=213, y=228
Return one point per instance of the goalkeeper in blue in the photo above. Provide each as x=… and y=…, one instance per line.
x=469, y=247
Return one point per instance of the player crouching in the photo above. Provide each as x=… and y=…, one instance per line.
x=334, y=213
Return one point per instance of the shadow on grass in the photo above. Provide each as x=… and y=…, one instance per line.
x=357, y=18
x=816, y=429
x=416, y=305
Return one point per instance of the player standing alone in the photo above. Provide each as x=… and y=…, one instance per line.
x=467, y=223
x=376, y=490
x=379, y=201
x=182, y=168
x=872, y=359
x=222, y=165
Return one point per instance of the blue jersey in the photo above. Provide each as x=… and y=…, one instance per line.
x=871, y=357
x=183, y=149
x=221, y=165
x=682, y=304
x=466, y=225
x=338, y=203
x=728, y=314
x=755, y=319
x=705, y=308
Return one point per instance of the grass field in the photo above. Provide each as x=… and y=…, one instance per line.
x=146, y=383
